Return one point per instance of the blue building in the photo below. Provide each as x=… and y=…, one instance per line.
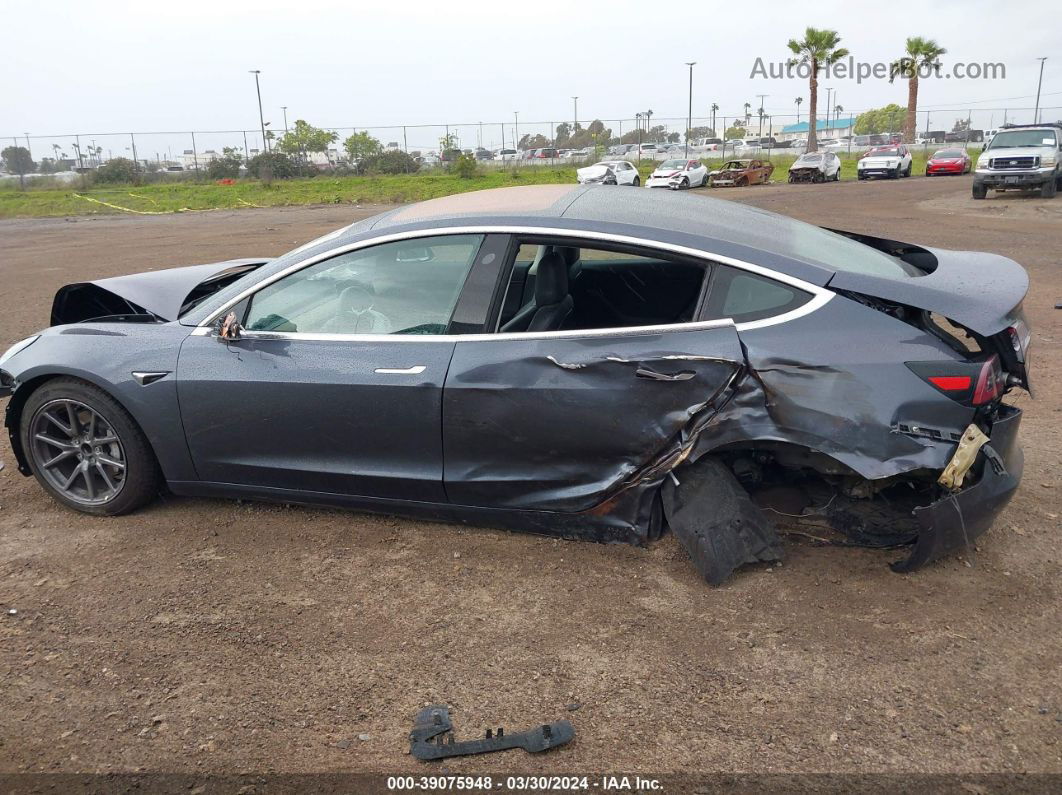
x=835, y=129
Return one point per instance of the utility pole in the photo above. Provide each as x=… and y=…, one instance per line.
x=575, y=114
x=261, y=118
x=285, y=109
x=136, y=163
x=516, y=130
x=829, y=93
x=246, y=152
x=759, y=111
x=28, y=148
x=1039, y=85
x=689, y=110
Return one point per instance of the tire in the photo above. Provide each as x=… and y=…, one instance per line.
x=837, y=175
x=637, y=182
x=979, y=191
x=685, y=185
x=1048, y=189
x=895, y=174
x=860, y=175
x=138, y=481
x=704, y=182
x=907, y=173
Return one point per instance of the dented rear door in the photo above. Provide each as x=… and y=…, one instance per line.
x=561, y=421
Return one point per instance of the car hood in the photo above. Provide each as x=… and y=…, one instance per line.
x=589, y=172
x=804, y=162
x=161, y=293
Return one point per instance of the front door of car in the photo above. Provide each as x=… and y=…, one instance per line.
x=560, y=420
x=335, y=384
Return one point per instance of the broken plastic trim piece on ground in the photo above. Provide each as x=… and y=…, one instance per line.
x=433, y=723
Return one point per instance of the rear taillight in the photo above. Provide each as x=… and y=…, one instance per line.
x=969, y=383
x=990, y=382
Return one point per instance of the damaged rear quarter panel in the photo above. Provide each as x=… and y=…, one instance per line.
x=562, y=423
x=841, y=394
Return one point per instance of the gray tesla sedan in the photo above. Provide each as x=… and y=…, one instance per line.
x=559, y=359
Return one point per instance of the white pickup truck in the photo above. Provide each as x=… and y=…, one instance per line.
x=1021, y=157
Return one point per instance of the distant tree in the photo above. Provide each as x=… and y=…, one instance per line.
x=449, y=143
x=799, y=101
x=817, y=50
x=304, y=138
x=117, y=169
x=49, y=165
x=961, y=125
x=562, y=133
x=393, y=161
x=537, y=141
x=279, y=164
x=734, y=131
x=227, y=166
x=361, y=146
x=17, y=160
x=700, y=132
x=674, y=137
x=879, y=120
x=920, y=54
x=465, y=166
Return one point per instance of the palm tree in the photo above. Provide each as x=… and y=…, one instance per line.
x=798, y=102
x=748, y=115
x=921, y=54
x=714, y=109
x=818, y=49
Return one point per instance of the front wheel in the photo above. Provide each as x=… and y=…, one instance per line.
x=1048, y=189
x=979, y=191
x=86, y=450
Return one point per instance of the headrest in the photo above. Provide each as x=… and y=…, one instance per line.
x=551, y=281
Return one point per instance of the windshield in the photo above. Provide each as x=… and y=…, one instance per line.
x=946, y=153
x=1020, y=138
x=884, y=151
x=673, y=164
x=811, y=158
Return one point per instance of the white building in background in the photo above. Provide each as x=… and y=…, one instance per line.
x=189, y=158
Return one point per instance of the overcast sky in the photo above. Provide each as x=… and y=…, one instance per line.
x=140, y=65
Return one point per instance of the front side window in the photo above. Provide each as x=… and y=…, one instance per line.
x=405, y=287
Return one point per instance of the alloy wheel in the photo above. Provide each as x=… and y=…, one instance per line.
x=78, y=451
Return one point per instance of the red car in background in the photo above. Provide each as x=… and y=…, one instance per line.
x=948, y=161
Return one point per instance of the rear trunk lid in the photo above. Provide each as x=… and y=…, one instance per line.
x=980, y=291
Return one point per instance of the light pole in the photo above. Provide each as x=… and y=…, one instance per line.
x=28, y=148
x=516, y=130
x=689, y=110
x=829, y=93
x=1039, y=85
x=285, y=109
x=575, y=114
x=261, y=118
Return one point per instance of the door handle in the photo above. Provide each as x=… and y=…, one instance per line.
x=653, y=375
x=416, y=369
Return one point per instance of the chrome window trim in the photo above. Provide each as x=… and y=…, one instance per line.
x=820, y=296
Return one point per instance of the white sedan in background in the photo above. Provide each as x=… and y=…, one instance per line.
x=677, y=174
x=609, y=172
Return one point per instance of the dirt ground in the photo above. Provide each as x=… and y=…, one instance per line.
x=208, y=635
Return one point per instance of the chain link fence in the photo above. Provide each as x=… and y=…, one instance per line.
x=190, y=153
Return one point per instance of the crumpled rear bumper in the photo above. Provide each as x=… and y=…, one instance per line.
x=951, y=524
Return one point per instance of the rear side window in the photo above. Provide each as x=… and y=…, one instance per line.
x=745, y=297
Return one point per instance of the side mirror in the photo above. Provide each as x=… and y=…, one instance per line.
x=229, y=328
